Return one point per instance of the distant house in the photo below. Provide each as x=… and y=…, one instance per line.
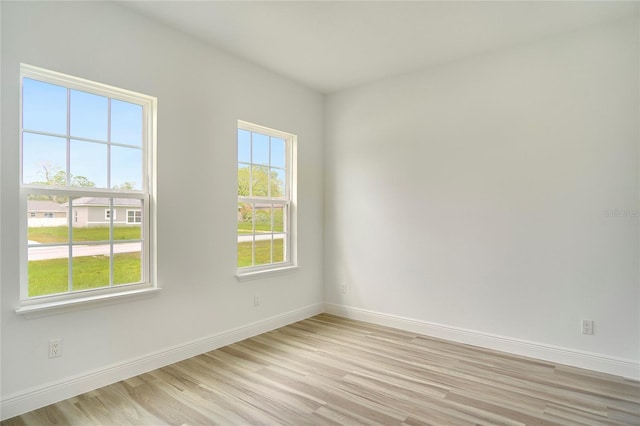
x=87, y=212
x=41, y=213
x=94, y=211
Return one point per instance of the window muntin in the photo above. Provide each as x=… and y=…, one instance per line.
x=265, y=199
x=88, y=148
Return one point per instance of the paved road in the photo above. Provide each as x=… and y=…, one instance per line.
x=62, y=252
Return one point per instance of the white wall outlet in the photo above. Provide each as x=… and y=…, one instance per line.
x=55, y=348
x=342, y=288
x=587, y=326
x=256, y=299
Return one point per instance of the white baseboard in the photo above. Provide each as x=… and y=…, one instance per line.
x=37, y=397
x=596, y=362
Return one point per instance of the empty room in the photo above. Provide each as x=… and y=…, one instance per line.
x=323, y=213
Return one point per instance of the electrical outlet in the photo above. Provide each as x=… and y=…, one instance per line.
x=55, y=348
x=342, y=288
x=256, y=299
x=587, y=326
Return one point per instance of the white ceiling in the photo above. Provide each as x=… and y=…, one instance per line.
x=330, y=46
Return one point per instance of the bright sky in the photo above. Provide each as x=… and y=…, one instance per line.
x=44, y=109
x=259, y=149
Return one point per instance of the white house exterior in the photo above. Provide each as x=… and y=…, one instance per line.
x=86, y=212
x=95, y=211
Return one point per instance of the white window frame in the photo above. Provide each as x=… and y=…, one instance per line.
x=134, y=217
x=289, y=202
x=73, y=299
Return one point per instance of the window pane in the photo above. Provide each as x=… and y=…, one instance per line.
x=90, y=266
x=126, y=123
x=127, y=265
x=128, y=227
x=278, y=218
x=243, y=180
x=245, y=218
x=245, y=253
x=260, y=149
x=44, y=159
x=89, y=221
x=245, y=234
x=278, y=248
x=277, y=182
x=88, y=164
x=44, y=107
x=263, y=250
x=260, y=181
x=277, y=153
x=89, y=115
x=262, y=220
x=126, y=168
x=47, y=220
x=47, y=265
x=244, y=146
x=48, y=270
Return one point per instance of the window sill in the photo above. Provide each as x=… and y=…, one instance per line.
x=253, y=275
x=62, y=306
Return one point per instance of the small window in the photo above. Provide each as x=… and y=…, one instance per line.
x=134, y=216
x=32, y=214
x=266, y=207
x=86, y=148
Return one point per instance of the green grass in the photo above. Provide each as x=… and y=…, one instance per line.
x=60, y=234
x=262, y=253
x=51, y=276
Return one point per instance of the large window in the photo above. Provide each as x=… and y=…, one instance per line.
x=87, y=151
x=265, y=198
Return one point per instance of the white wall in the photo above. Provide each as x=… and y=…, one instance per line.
x=471, y=198
x=202, y=92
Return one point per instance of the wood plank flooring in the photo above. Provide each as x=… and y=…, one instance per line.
x=328, y=370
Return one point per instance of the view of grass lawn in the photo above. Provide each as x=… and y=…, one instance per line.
x=262, y=252
x=51, y=276
x=60, y=234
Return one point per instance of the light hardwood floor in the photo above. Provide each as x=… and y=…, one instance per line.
x=330, y=370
